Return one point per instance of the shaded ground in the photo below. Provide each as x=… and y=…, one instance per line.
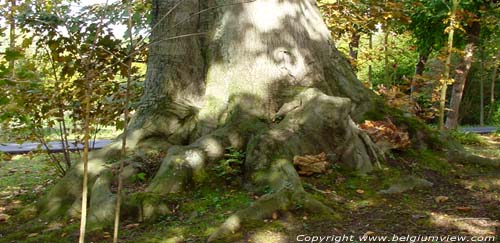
x=464, y=201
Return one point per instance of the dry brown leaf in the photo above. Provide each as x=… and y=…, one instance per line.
x=359, y=191
x=4, y=217
x=131, y=226
x=275, y=215
x=441, y=199
x=310, y=164
x=386, y=135
x=464, y=209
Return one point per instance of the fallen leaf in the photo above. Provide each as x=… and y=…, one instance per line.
x=311, y=164
x=32, y=235
x=359, y=191
x=386, y=135
x=441, y=199
x=131, y=226
x=4, y=217
x=464, y=209
x=275, y=215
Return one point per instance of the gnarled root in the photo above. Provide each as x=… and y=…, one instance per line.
x=285, y=199
x=467, y=157
x=313, y=123
x=65, y=197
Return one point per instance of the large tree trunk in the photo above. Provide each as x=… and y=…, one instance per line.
x=266, y=79
x=461, y=76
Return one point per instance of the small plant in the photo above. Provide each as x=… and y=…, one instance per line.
x=230, y=165
x=139, y=177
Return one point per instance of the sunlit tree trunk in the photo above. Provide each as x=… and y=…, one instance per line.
x=461, y=76
x=370, y=67
x=387, y=76
x=446, y=75
x=12, y=33
x=492, y=86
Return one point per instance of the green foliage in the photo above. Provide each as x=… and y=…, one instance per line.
x=230, y=166
x=60, y=49
x=401, y=57
x=139, y=177
x=495, y=118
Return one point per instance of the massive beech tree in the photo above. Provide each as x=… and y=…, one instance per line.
x=264, y=77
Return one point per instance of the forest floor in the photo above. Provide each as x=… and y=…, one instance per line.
x=463, y=202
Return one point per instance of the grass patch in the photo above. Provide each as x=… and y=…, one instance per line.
x=22, y=174
x=429, y=160
x=468, y=138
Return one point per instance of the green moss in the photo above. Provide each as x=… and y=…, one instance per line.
x=428, y=159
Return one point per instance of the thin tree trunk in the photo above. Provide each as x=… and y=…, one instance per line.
x=125, y=128
x=492, y=90
x=12, y=33
x=386, y=57
x=446, y=75
x=481, y=89
x=353, y=50
x=461, y=76
x=370, y=68
x=419, y=70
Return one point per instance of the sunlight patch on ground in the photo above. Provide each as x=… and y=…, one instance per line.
x=267, y=236
x=490, y=150
x=356, y=205
x=473, y=226
x=482, y=183
x=175, y=239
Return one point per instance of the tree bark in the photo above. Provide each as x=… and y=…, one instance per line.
x=461, y=76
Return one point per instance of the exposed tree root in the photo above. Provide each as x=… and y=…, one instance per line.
x=469, y=158
x=310, y=124
x=286, y=199
x=313, y=123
